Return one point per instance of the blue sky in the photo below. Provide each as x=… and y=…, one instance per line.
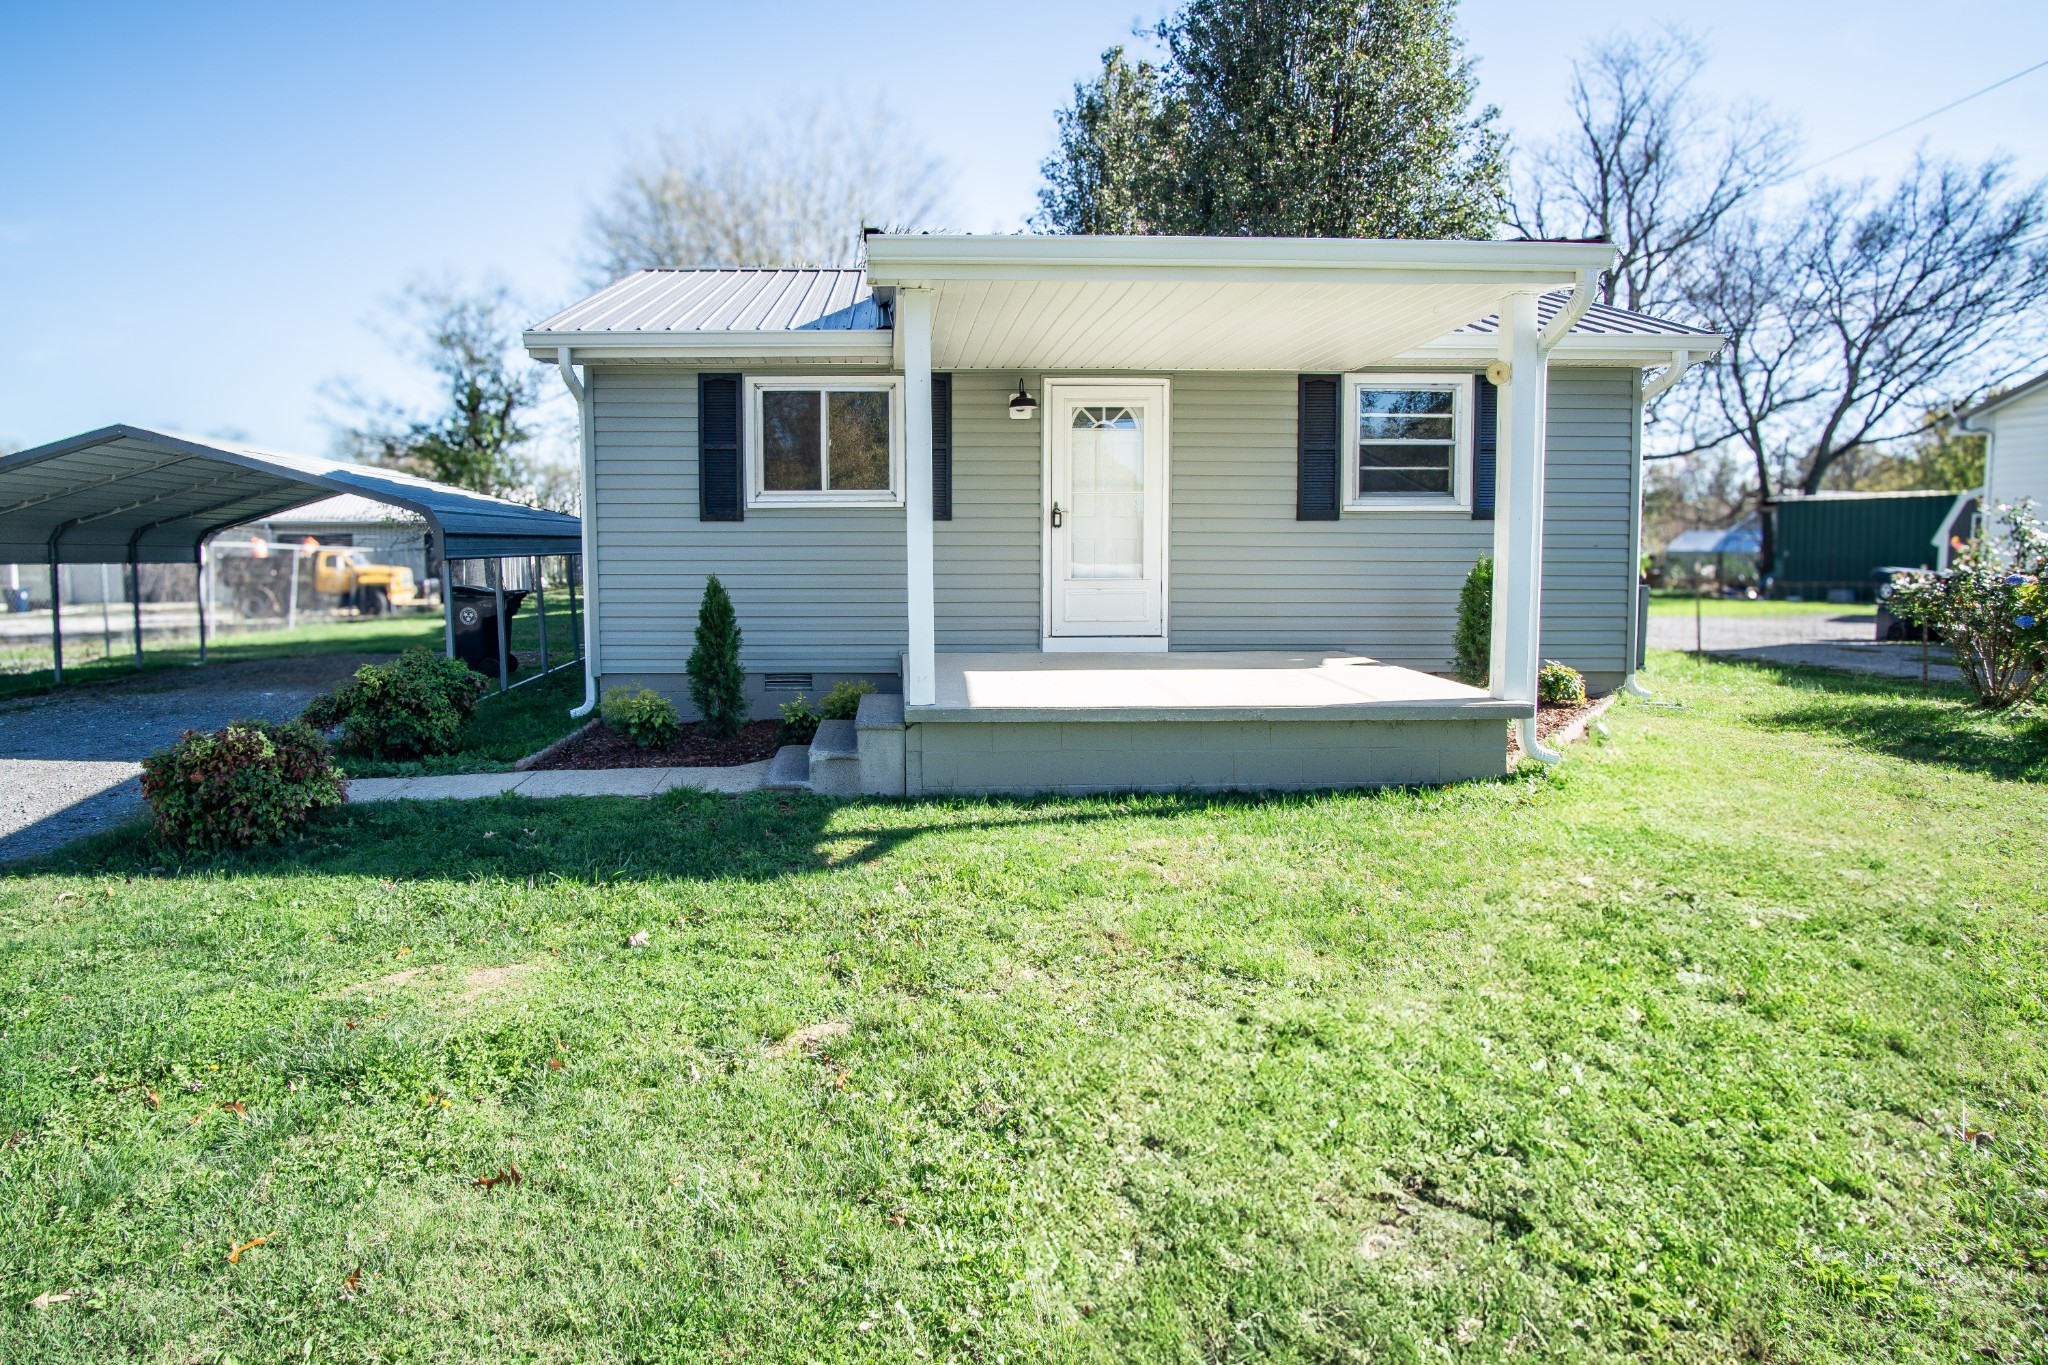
x=203, y=206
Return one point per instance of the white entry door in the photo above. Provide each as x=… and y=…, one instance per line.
x=1106, y=513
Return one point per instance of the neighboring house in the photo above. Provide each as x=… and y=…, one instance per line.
x=1106, y=513
x=2015, y=427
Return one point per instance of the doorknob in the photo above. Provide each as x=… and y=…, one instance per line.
x=1059, y=517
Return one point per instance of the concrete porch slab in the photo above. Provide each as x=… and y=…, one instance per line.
x=1253, y=685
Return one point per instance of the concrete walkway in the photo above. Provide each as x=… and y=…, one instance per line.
x=640, y=782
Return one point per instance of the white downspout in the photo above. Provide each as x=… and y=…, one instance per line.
x=1681, y=361
x=589, y=521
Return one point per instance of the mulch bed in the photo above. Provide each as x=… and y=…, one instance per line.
x=602, y=747
x=1552, y=718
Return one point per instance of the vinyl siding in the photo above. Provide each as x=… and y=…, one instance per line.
x=2019, y=451
x=822, y=591
x=1246, y=575
x=815, y=589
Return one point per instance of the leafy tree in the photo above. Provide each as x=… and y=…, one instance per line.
x=1309, y=118
x=470, y=341
x=718, y=685
x=795, y=190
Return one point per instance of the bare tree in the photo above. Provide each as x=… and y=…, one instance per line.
x=1853, y=316
x=1648, y=165
x=795, y=190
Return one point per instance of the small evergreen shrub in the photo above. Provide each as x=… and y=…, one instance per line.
x=644, y=716
x=718, y=685
x=249, y=782
x=1560, y=684
x=1473, y=636
x=843, y=701
x=799, y=722
x=411, y=707
x=1990, y=606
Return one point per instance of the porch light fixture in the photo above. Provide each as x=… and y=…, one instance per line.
x=1023, y=407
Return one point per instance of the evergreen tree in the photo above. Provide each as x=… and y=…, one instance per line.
x=1473, y=636
x=1302, y=118
x=718, y=685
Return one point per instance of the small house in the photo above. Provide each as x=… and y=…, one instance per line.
x=1105, y=513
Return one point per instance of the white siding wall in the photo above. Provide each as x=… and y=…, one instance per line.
x=822, y=591
x=2019, y=452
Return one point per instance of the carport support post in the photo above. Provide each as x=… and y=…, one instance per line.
x=199, y=563
x=448, y=605
x=497, y=574
x=574, y=569
x=540, y=599
x=56, y=617
x=135, y=591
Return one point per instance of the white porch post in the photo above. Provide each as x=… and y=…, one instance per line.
x=914, y=331
x=1518, y=519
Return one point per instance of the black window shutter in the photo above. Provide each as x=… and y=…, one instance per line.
x=942, y=447
x=1485, y=439
x=718, y=448
x=1316, y=455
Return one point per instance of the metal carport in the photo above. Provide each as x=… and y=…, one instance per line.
x=130, y=495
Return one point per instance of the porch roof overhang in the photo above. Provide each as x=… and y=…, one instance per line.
x=124, y=491
x=1209, y=303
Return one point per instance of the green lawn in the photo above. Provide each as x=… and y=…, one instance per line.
x=1724, y=1041
x=84, y=663
x=1683, y=604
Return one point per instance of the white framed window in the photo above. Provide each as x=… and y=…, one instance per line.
x=1408, y=442
x=825, y=442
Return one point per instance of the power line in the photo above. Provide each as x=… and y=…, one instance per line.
x=1913, y=122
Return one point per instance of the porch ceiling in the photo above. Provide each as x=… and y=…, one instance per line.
x=1172, y=303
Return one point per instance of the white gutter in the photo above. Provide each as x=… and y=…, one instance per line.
x=589, y=520
x=1681, y=361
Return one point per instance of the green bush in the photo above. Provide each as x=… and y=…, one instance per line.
x=1990, y=607
x=646, y=717
x=718, y=685
x=799, y=722
x=1560, y=684
x=1473, y=637
x=414, y=706
x=843, y=701
x=249, y=782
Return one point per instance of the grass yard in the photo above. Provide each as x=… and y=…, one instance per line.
x=1723, y=1041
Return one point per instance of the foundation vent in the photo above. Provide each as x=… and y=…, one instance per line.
x=786, y=682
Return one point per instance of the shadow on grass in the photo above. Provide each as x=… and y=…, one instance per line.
x=681, y=835
x=1895, y=716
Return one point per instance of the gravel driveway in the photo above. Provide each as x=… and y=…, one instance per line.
x=1826, y=638
x=70, y=761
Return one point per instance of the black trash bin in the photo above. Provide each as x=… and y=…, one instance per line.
x=476, y=627
x=1890, y=629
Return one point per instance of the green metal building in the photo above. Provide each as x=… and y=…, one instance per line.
x=1833, y=543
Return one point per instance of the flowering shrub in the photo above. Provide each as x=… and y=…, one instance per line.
x=1560, y=684
x=1989, y=606
x=646, y=717
x=248, y=783
x=415, y=705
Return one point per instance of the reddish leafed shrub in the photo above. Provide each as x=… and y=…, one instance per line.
x=249, y=782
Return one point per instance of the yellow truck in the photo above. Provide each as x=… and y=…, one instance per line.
x=372, y=589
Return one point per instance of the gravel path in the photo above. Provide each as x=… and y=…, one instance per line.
x=1825, y=639
x=70, y=761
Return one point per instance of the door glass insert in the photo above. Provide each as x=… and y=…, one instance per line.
x=1108, y=451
